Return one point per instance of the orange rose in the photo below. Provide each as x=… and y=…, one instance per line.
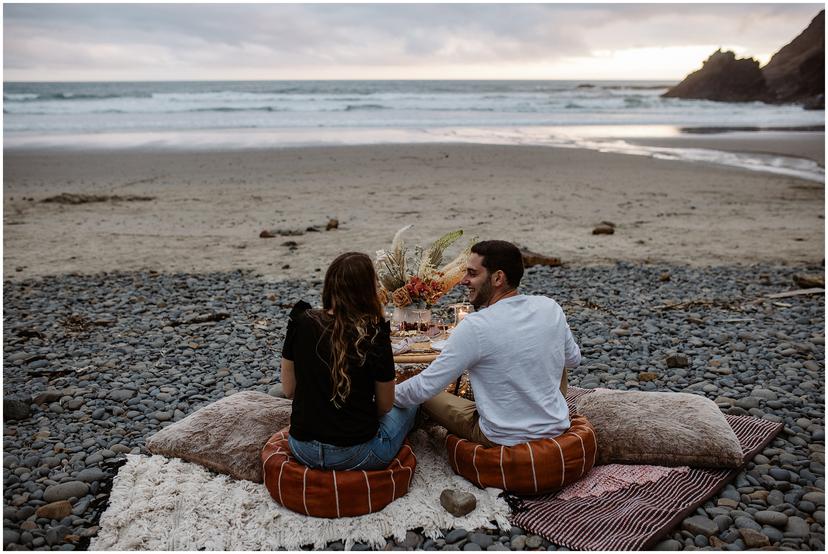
x=401, y=298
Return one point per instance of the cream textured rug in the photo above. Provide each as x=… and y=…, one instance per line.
x=160, y=503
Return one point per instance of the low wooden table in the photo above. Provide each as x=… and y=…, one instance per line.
x=415, y=358
x=420, y=353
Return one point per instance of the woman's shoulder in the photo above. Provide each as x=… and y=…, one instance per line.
x=299, y=309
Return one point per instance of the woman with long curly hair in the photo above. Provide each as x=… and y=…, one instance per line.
x=338, y=367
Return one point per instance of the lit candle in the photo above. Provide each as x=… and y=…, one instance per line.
x=461, y=311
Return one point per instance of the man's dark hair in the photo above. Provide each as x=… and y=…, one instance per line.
x=503, y=256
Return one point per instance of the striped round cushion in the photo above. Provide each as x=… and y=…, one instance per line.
x=331, y=493
x=534, y=467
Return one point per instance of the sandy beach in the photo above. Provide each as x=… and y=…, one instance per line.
x=208, y=208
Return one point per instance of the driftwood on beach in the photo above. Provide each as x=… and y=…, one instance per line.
x=72, y=198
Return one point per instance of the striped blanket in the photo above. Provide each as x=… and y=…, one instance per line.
x=632, y=507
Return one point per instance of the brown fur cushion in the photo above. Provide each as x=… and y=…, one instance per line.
x=226, y=436
x=660, y=428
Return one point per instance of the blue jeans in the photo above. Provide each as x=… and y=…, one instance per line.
x=377, y=453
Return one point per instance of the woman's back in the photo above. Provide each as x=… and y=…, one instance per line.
x=315, y=415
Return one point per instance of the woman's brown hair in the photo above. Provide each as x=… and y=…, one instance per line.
x=350, y=292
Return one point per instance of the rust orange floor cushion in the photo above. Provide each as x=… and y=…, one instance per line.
x=535, y=467
x=328, y=493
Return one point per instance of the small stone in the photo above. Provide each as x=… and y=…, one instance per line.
x=534, y=541
x=797, y=527
x=765, y=394
x=700, y=525
x=769, y=517
x=603, y=229
x=458, y=503
x=809, y=280
x=723, y=521
x=10, y=536
x=747, y=402
x=73, y=404
x=16, y=409
x=774, y=534
x=531, y=259
x=47, y=397
x=677, y=360
x=647, y=376
x=743, y=522
x=55, y=510
x=56, y=534
x=65, y=491
x=121, y=395
x=90, y=475
x=411, y=541
x=728, y=503
x=716, y=542
x=333, y=223
x=518, y=542
x=754, y=539
x=456, y=535
x=481, y=539
x=669, y=545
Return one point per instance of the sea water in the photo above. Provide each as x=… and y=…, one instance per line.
x=261, y=114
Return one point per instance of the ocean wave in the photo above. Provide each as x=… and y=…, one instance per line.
x=22, y=97
x=32, y=97
x=635, y=87
x=228, y=109
x=359, y=107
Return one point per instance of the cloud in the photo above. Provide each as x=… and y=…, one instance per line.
x=224, y=41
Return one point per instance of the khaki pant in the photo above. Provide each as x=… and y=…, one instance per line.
x=460, y=415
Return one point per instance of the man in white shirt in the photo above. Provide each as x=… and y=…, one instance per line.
x=515, y=349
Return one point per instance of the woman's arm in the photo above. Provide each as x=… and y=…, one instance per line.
x=288, y=378
x=384, y=391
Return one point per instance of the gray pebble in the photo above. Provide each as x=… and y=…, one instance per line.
x=456, y=535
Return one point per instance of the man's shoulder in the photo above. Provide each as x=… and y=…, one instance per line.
x=540, y=301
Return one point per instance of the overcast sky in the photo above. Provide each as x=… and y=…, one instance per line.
x=91, y=42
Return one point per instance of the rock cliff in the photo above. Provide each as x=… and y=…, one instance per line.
x=725, y=79
x=795, y=74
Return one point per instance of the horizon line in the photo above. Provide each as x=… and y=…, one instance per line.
x=323, y=80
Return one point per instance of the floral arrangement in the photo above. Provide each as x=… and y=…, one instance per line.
x=404, y=286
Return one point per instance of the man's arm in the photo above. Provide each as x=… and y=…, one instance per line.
x=462, y=351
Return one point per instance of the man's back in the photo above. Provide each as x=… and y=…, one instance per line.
x=515, y=351
x=524, y=344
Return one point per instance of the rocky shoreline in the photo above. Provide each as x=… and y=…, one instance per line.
x=96, y=364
